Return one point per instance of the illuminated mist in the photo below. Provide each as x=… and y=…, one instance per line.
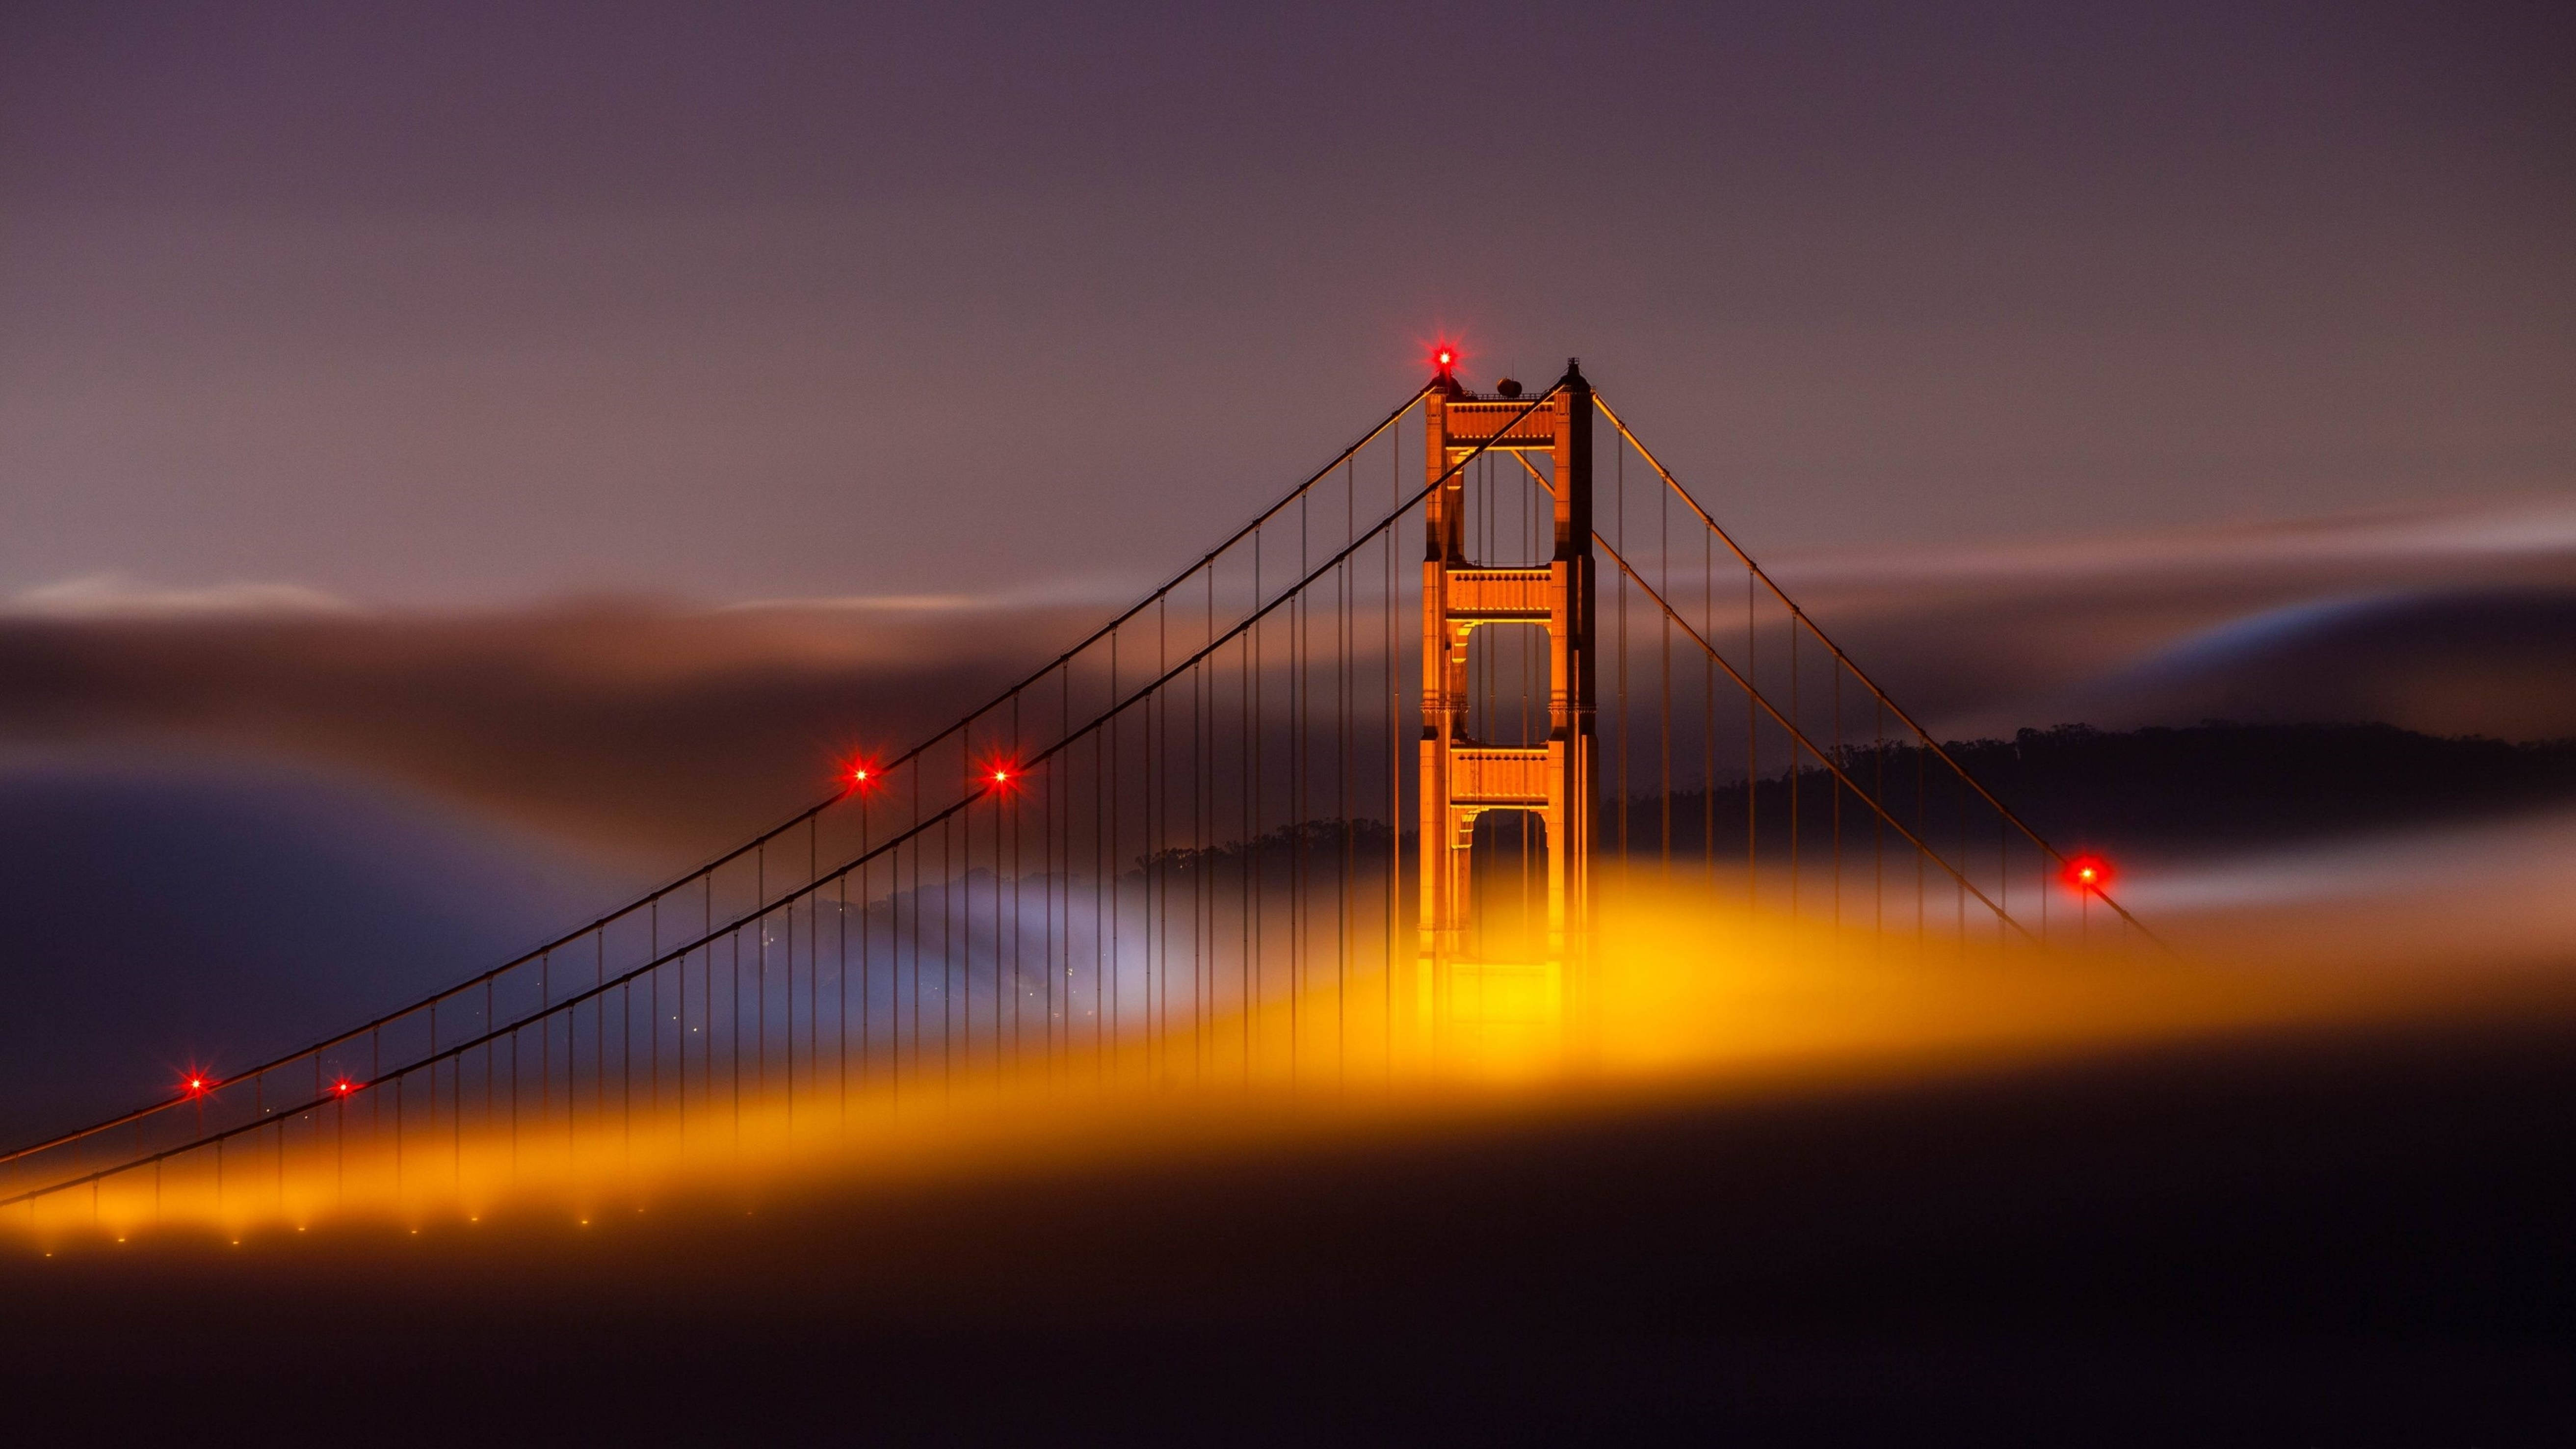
x=1692, y=1000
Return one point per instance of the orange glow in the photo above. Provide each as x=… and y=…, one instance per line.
x=1687, y=996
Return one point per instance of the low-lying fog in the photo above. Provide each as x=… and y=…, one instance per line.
x=239, y=818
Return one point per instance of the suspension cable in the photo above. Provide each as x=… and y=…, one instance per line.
x=761, y=841
x=1116, y=710
x=1799, y=735
x=1882, y=696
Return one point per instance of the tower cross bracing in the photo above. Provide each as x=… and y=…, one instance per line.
x=1464, y=777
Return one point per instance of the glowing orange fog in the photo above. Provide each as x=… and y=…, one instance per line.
x=1681, y=1000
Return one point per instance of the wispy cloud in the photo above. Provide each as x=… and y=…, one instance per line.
x=2474, y=535
x=113, y=595
x=1983, y=639
x=658, y=728
x=1104, y=591
x=646, y=730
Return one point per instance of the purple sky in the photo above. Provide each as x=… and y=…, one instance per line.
x=445, y=304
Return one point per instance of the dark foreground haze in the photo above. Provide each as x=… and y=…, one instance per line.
x=2348, y=1237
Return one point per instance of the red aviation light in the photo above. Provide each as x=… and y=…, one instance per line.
x=861, y=775
x=343, y=1087
x=197, y=1084
x=2088, y=874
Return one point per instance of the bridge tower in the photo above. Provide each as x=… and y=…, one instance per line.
x=1462, y=777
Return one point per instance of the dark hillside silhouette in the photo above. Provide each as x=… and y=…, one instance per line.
x=2212, y=785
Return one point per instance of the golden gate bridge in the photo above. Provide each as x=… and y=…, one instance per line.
x=1353, y=792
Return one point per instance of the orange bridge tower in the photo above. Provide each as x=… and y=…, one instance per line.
x=1463, y=777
